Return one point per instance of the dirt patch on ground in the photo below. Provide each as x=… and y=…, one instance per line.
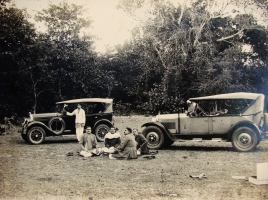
x=46, y=172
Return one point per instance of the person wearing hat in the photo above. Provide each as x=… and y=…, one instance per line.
x=127, y=148
x=80, y=120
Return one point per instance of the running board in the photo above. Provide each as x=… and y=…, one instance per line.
x=201, y=139
x=197, y=139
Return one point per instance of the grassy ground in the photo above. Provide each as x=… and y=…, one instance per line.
x=45, y=172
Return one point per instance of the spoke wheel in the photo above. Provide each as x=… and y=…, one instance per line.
x=101, y=131
x=244, y=139
x=36, y=135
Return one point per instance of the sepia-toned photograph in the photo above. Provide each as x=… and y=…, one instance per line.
x=134, y=99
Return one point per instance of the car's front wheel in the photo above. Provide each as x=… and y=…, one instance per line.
x=244, y=139
x=154, y=136
x=101, y=131
x=36, y=135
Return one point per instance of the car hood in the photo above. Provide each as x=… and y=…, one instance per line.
x=45, y=115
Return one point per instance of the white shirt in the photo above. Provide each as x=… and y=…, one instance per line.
x=80, y=116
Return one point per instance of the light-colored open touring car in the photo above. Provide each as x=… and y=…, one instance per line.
x=99, y=115
x=234, y=117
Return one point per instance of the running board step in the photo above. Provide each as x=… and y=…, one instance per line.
x=197, y=139
x=213, y=139
x=217, y=139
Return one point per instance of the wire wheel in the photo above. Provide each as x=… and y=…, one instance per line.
x=101, y=131
x=36, y=135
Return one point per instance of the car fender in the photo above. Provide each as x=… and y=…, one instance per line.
x=159, y=125
x=37, y=123
x=104, y=121
x=247, y=124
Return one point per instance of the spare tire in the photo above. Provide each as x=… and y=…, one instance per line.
x=57, y=125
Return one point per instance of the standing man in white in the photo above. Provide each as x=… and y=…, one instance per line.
x=80, y=120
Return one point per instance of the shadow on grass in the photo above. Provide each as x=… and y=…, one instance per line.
x=50, y=140
x=199, y=148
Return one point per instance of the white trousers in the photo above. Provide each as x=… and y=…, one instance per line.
x=79, y=131
x=91, y=152
x=85, y=154
x=108, y=150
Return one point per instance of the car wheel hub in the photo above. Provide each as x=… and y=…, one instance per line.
x=37, y=135
x=153, y=137
x=244, y=139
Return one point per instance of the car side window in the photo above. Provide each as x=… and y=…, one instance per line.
x=93, y=108
x=237, y=106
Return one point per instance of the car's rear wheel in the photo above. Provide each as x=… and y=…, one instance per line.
x=36, y=135
x=57, y=125
x=154, y=136
x=244, y=139
x=101, y=131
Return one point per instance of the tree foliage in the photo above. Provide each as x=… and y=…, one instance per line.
x=176, y=52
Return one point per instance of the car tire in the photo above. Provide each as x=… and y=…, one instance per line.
x=36, y=135
x=244, y=139
x=24, y=137
x=101, y=131
x=57, y=125
x=154, y=136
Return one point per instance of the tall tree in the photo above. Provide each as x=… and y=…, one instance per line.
x=17, y=35
x=71, y=58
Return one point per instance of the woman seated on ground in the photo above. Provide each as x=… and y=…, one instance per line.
x=127, y=148
x=142, y=143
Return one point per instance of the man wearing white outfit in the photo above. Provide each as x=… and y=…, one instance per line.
x=80, y=120
x=111, y=140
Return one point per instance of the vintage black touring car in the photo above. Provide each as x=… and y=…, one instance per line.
x=98, y=111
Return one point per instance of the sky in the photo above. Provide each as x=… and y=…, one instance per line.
x=110, y=25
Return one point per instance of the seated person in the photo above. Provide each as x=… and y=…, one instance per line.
x=88, y=143
x=222, y=112
x=127, y=148
x=191, y=108
x=142, y=143
x=219, y=112
x=111, y=140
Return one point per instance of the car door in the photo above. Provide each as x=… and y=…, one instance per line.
x=199, y=125
x=221, y=124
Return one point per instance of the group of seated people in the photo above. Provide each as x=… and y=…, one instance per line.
x=130, y=146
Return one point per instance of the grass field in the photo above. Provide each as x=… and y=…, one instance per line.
x=46, y=172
